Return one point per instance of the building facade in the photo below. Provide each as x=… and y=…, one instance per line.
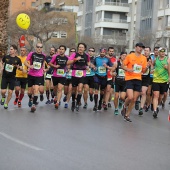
x=68, y=10
x=151, y=22
x=20, y=5
x=103, y=20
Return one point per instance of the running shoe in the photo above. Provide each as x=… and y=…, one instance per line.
x=16, y=101
x=52, y=100
x=56, y=105
x=95, y=108
x=120, y=104
x=155, y=114
x=48, y=102
x=91, y=98
x=85, y=106
x=116, y=112
x=33, y=108
x=147, y=108
x=65, y=99
x=30, y=103
x=99, y=107
x=66, y=105
x=140, y=112
x=2, y=101
x=41, y=97
x=137, y=105
x=36, y=103
x=77, y=108
x=127, y=119
x=5, y=106
x=104, y=106
x=163, y=105
x=109, y=105
x=19, y=103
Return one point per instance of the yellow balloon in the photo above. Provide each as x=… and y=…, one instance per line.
x=23, y=21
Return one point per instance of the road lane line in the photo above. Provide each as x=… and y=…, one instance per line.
x=20, y=142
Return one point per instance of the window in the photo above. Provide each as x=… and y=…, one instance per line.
x=63, y=35
x=55, y=35
x=33, y=4
x=59, y=34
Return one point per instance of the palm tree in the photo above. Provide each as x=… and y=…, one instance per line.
x=3, y=24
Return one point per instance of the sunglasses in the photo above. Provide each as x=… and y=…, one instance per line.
x=72, y=51
x=39, y=46
x=91, y=50
x=162, y=51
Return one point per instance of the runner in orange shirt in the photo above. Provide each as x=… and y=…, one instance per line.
x=134, y=64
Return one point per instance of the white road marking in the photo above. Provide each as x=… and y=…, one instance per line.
x=20, y=142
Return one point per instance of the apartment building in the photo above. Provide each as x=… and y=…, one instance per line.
x=61, y=5
x=103, y=20
x=18, y=5
x=68, y=10
x=151, y=22
x=163, y=27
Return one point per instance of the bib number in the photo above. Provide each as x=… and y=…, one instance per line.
x=137, y=68
x=37, y=65
x=102, y=70
x=88, y=71
x=60, y=72
x=79, y=73
x=48, y=76
x=9, y=68
x=121, y=73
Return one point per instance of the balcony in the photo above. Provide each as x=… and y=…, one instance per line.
x=161, y=13
x=112, y=23
x=112, y=6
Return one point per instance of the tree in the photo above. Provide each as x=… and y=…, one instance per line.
x=3, y=25
x=43, y=26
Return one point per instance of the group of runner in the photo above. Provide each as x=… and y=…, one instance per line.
x=132, y=79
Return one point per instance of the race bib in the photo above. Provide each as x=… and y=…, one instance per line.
x=146, y=73
x=108, y=79
x=79, y=73
x=88, y=71
x=48, y=76
x=121, y=73
x=37, y=65
x=60, y=72
x=69, y=73
x=137, y=68
x=102, y=69
x=9, y=67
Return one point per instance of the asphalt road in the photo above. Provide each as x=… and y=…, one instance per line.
x=51, y=139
